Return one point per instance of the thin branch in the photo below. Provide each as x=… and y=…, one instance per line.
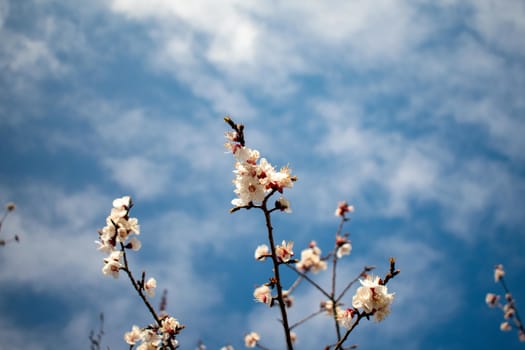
x=516, y=314
x=262, y=347
x=339, y=344
x=275, y=261
x=8, y=209
x=96, y=341
x=393, y=271
x=137, y=287
x=295, y=284
x=300, y=322
x=239, y=129
x=6, y=212
x=351, y=283
x=312, y=282
x=334, y=277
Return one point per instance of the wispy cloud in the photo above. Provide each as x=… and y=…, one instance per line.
x=56, y=235
x=140, y=176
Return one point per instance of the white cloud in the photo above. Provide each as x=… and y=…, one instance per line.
x=405, y=172
x=391, y=37
x=405, y=169
x=140, y=176
x=496, y=20
x=414, y=175
x=382, y=32
x=15, y=338
x=24, y=61
x=23, y=55
x=37, y=46
x=4, y=11
x=162, y=137
x=257, y=46
x=57, y=238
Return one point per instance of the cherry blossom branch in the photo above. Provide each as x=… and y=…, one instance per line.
x=138, y=286
x=361, y=314
x=115, y=239
x=256, y=180
x=342, y=247
x=340, y=343
x=334, y=275
x=275, y=261
x=517, y=318
x=510, y=311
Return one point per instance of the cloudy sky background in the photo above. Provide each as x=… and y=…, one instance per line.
x=413, y=111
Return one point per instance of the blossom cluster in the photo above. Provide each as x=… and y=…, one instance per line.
x=154, y=338
x=373, y=297
x=119, y=233
x=343, y=208
x=311, y=259
x=343, y=246
x=510, y=313
x=252, y=340
x=284, y=251
x=255, y=177
x=263, y=294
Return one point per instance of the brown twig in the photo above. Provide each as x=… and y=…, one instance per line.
x=295, y=284
x=339, y=344
x=334, y=277
x=275, y=261
x=312, y=315
x=138, y=287
x=239, y=129
x=393, y=271
x=309, y=280
x=351, y=283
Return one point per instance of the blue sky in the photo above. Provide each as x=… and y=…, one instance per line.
x=413, y=111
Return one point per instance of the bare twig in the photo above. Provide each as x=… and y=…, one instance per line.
x=96, y=340
x=309, y=280
x=351, y=283
x=309, y=317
